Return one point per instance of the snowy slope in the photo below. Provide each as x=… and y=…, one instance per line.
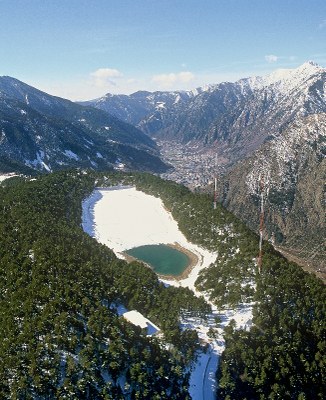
x=286, y=80
x=6, y=176
x=293, y=169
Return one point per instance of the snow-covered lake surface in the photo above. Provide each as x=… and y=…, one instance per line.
x=122, y=218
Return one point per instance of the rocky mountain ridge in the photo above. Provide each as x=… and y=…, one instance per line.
x=292, y=171
x=235, y=118
x=139, y=105
x=45, y=132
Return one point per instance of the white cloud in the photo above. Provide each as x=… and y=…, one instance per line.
x=103, y=77
x=271, y=58
x=170, y=80
x=186, y=76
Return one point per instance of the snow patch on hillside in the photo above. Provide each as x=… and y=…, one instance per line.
x=39, y=161
x=136, y=318
x=71, y=155
x=203, y=383
x=7, y=176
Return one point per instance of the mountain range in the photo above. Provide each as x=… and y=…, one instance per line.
x=235, y=118
x=46, y=133
x=270, y=128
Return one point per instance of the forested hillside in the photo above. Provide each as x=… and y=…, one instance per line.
x=283, y=355
x=61, y=337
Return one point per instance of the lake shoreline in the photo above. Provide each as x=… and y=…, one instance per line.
x=193, y=261
x=131, y=207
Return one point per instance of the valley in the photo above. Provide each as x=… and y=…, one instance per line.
x=270, y=127
x=193, y=165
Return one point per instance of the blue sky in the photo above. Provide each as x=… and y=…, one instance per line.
x=81, y=49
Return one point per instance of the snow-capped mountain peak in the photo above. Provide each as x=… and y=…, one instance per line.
x=201, y=89
x=287, y=79
x=240, y=115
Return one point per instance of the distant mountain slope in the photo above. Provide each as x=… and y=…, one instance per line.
x=292, y=168
x=47, y=133
x=139, y=106
x=234, y=117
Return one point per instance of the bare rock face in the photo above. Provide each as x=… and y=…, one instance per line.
x=292, y=168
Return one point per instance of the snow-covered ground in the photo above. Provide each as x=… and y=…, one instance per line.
x=136, y=318
x=122, y=218
x=6, y=176
x=203, y=383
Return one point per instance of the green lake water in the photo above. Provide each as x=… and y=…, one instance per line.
x=164, y=260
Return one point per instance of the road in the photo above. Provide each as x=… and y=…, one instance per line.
x=203, y=380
